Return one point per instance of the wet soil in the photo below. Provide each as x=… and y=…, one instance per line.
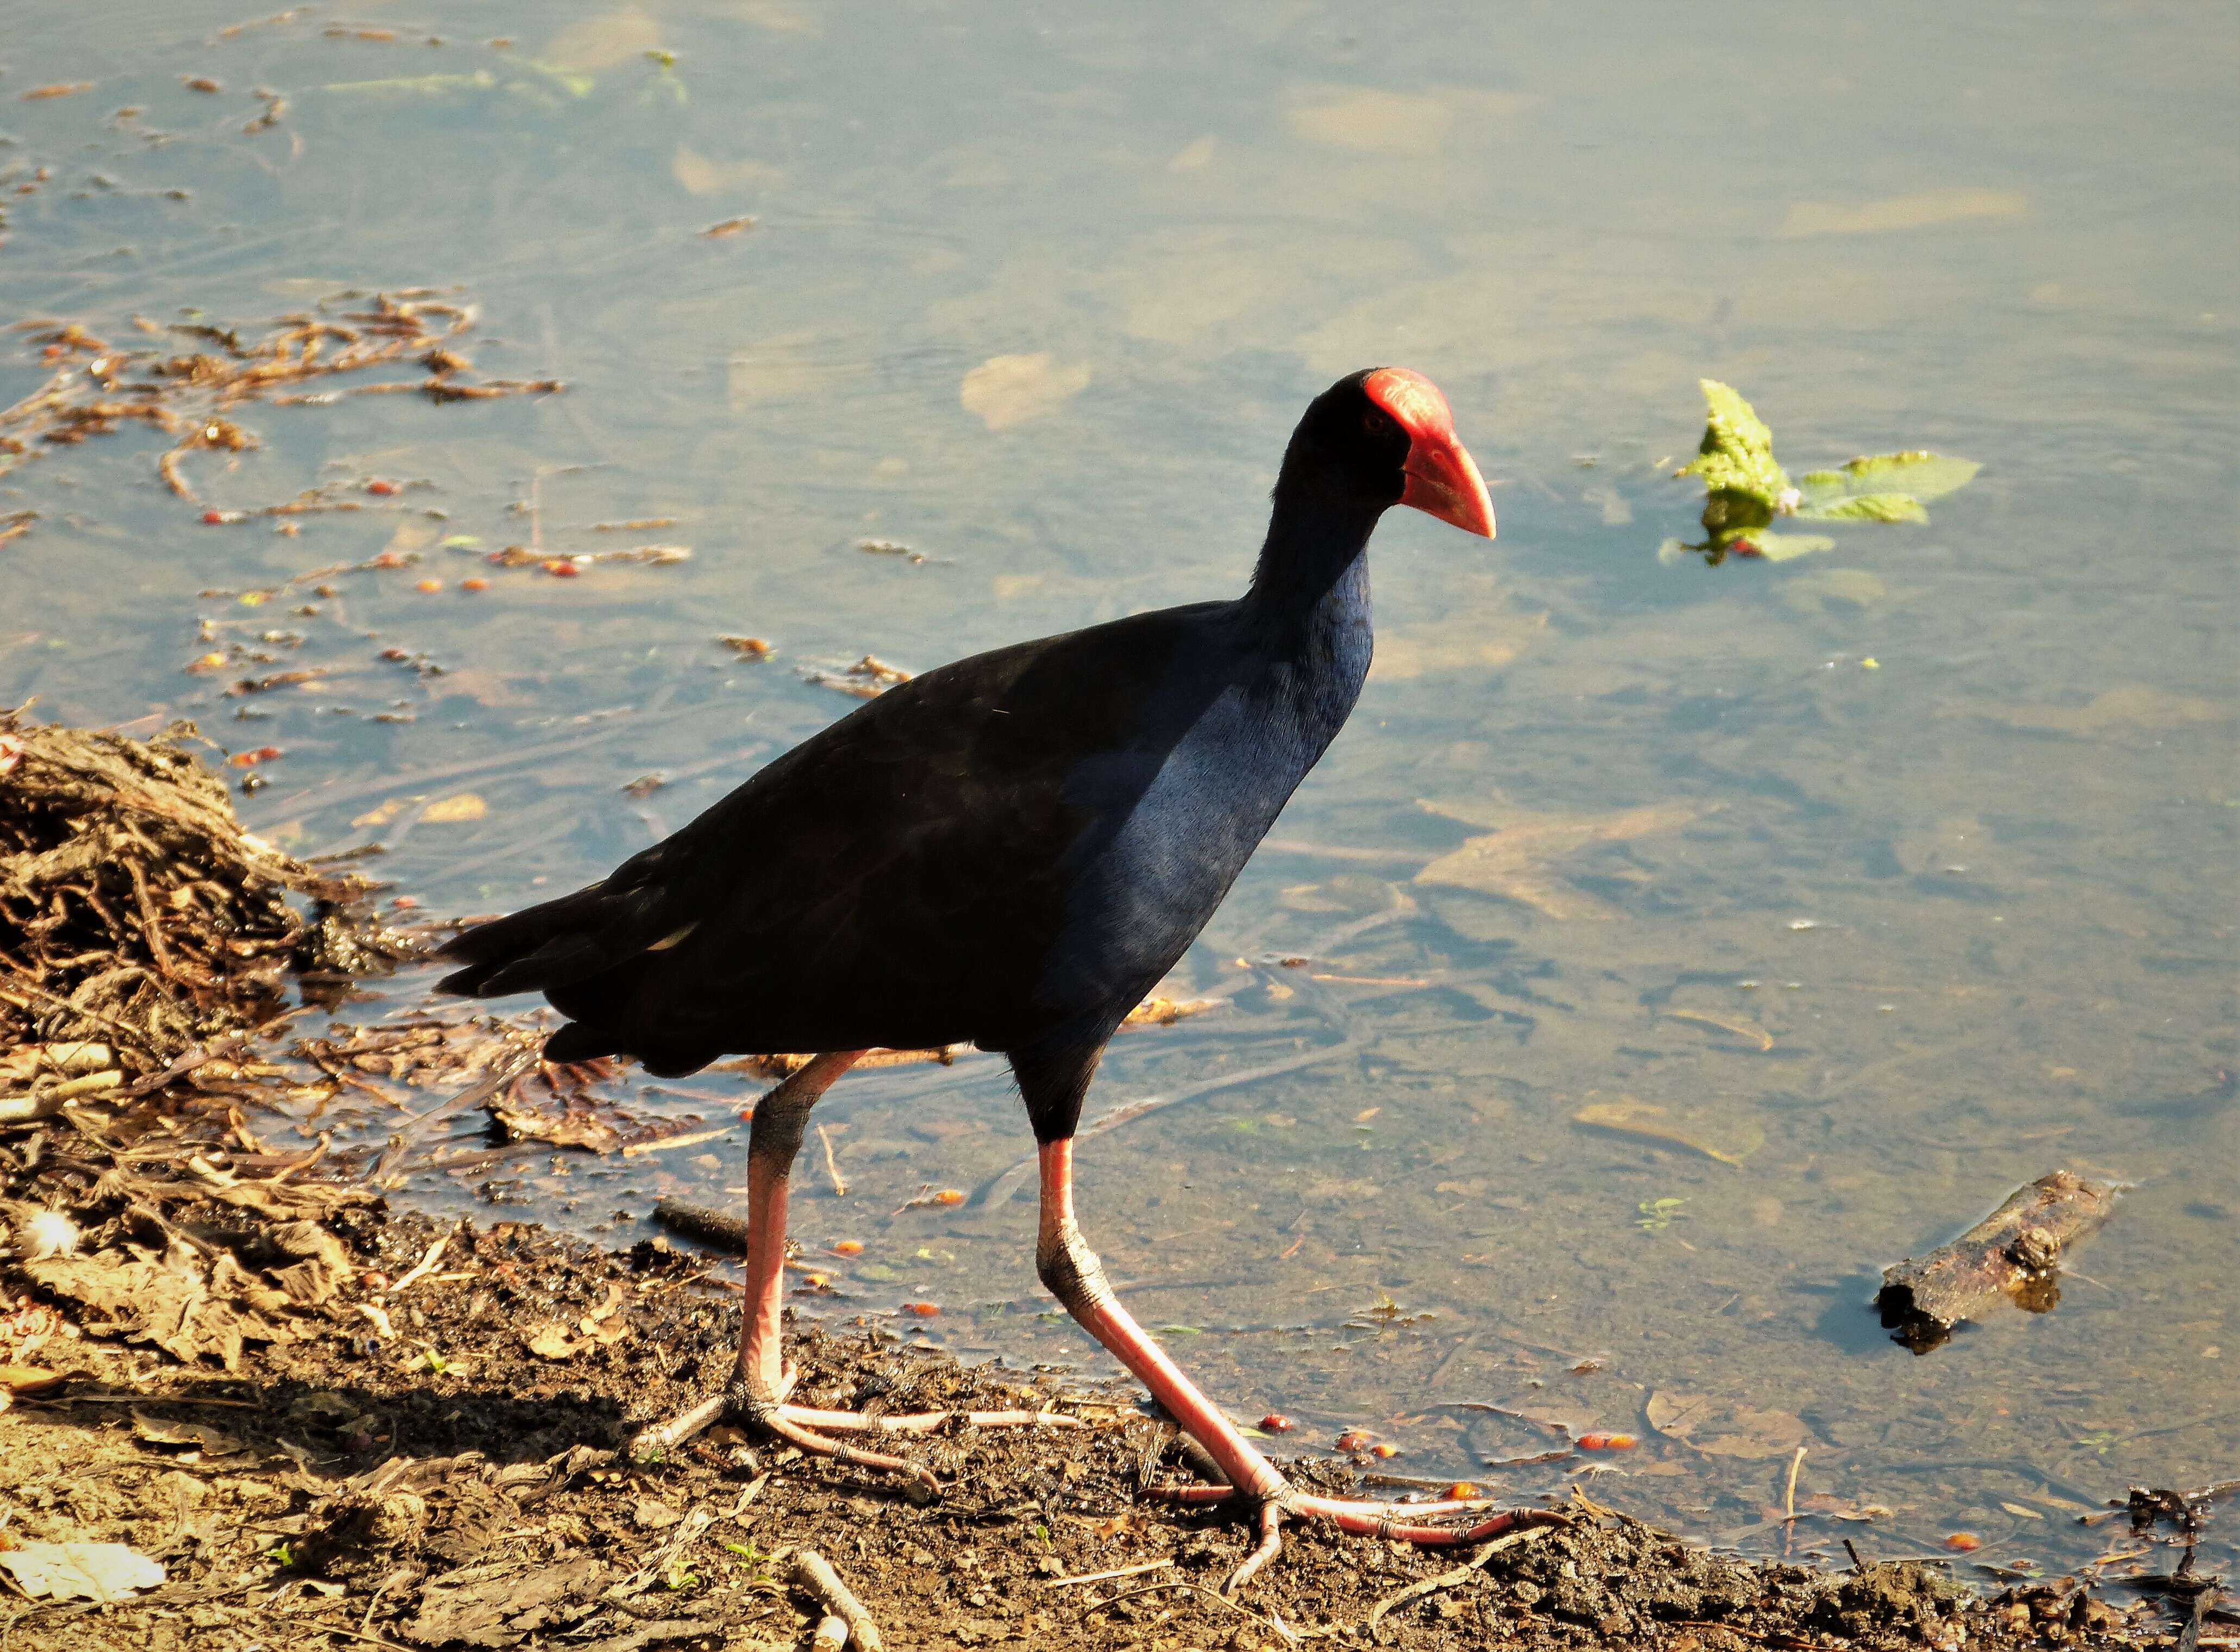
x=410, y=1436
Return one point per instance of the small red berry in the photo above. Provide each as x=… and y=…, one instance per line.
x=1276, y=1423
x=381, y=487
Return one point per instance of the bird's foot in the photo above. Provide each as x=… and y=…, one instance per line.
x=729, y=1404
x=1434, y=1525
x=761, y=1408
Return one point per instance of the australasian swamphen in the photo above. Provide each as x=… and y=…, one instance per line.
x=1009, y=851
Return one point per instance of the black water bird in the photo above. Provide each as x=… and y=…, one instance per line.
x=1009, y=851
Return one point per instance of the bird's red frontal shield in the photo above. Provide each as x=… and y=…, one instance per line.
x=1442, y=480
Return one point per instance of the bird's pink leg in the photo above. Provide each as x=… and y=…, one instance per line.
x=1074, y=1274
x=758, y=1387
x=761, y=1380
x=1076, y=1278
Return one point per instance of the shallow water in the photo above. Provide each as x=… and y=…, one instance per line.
x=1979, y=895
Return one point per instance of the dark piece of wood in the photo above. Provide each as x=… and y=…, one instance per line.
x=698, y=1222
x=2014, y=1253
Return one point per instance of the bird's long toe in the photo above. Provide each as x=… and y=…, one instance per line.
x=747, y=1404
x=811, y=1428
x=1443, y=1524
x=780, y=1422
x=736, y=1403
x=1457, y=1522
x=927, y=1422
x=1270, y=1546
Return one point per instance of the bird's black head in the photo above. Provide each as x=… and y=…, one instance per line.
x=1384, y=437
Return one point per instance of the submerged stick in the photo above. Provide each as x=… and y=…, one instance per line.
x=2015, y=1253
x=698, y=1222
x=999, y=1187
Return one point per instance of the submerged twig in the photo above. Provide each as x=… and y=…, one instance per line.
x=698, y=1222
x=999, y=1189
x=831, y=1168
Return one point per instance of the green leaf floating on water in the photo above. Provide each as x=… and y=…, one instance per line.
x=1746, y=489
x=1867, y=488
x=1735, y=460
x=575, y=83
x=1868, y=507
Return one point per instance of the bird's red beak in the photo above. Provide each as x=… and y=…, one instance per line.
x=1442, y=479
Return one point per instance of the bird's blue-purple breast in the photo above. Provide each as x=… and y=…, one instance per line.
x=1176, y=812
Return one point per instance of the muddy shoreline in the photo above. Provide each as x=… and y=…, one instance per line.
x=417, y=1444
x=245, y=1402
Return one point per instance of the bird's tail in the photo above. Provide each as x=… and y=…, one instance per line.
x=588, y=953
x=541, y=947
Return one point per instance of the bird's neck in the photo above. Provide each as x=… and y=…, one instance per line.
x=1313, y=570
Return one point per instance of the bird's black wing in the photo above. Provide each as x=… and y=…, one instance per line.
x=897, y=880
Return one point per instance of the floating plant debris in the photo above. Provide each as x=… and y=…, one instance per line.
x=867, y=679
x=97, y=387
x=1746, y=489
x=139, y=912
